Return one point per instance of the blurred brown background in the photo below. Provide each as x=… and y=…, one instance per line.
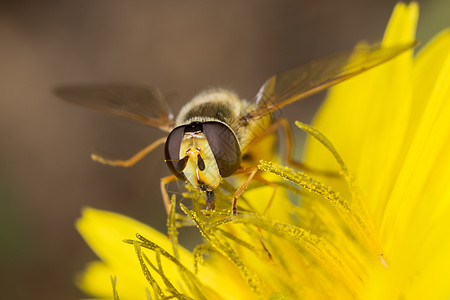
x=46, y=175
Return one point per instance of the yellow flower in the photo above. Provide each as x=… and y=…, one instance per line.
x=392, y=128
x=379, y=231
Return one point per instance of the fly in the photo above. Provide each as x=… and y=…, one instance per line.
x=214, y=132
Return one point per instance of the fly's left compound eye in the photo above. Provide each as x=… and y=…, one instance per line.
x=172, y=151
x=224, y=146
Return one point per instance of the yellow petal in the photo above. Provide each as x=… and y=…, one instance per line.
x=402, y=25
x=224, y=278
x=416, y=216
x=429, y=135
x=96, y=281
x=105, y=232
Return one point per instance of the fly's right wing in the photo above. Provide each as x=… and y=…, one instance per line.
x=301, y=82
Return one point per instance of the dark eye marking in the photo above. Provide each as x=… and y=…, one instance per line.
x=181, y=164
x=201, y=163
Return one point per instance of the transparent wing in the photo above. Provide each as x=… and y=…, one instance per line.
x=137, y=103
x=296, y=84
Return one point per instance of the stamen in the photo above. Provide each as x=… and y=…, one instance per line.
x=358, y=215
x=225, y=248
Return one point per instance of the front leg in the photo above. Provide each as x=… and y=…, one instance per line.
x=252, y=171
x=132, y=160
x=165, y=195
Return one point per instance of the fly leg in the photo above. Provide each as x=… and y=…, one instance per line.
x=132, y=160
x=284, y=123
x=287, y=155
x=273, y=185
x=254, y=175
x=252, y=171
x=165, y=195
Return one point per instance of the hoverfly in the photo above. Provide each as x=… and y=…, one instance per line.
x=208, y=139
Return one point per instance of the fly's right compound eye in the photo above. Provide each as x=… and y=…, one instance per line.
x=172, y=151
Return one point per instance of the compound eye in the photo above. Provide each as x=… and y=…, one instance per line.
x=172, y=151
x=224, y=146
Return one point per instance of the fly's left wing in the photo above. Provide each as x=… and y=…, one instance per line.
x=299, y=83
x=138, y=103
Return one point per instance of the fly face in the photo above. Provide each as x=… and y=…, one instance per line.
x=203, y=153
